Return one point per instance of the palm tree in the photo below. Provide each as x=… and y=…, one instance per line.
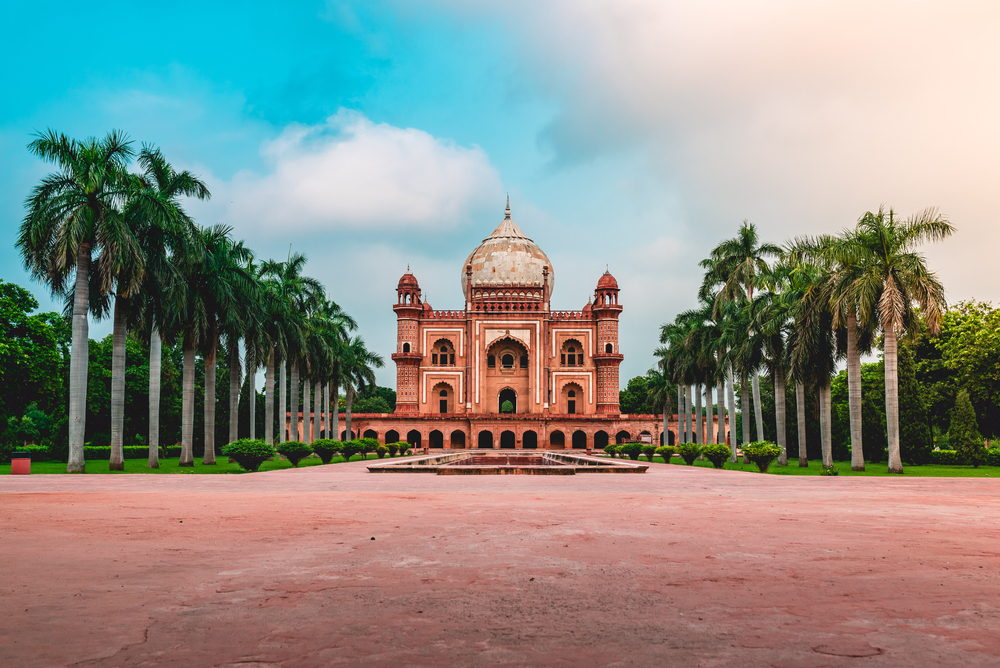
x=357, y=372
x=885, y=278
x=659, y=390
x=72, y=214
x=734, y=267
x=164, y=230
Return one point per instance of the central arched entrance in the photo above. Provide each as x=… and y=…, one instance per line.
x=507, y=394
x=486, y=440
x=507, y=439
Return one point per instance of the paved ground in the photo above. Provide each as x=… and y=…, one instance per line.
x=679, y=566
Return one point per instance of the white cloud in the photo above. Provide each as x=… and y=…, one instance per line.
x=352, y=173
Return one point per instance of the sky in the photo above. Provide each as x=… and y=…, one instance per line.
x=633, y=135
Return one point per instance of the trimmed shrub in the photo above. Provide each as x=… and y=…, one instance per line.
x=689, y=452
x=830, y=470
x=381, y=451
x=649, y=451
x=993, y=457
x=946, y=457
x=393, y=448
x=665, y=451
x=294, y=451
x=249, y=454
x=963, y=434
x=633, y=450
x=349, y=448
x=404, y=448
x=368, y=445
x=717, y=453
x=761, y=453
x=609, y=450
x=326, y=448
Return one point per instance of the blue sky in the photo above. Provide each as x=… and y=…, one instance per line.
x=635, y=134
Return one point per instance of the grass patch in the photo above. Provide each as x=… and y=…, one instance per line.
x=816, y=466
x=169, y=465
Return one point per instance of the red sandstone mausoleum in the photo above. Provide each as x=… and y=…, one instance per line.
x=455, y=370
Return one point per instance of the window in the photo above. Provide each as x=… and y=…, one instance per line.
x=571, y=403
x=443, y=356
x=434, y=359
x=507, y=361
x=609, y=349
x=524, y=361
x=444, y=401
x=571, y=357
x=491, y=361
x=406, y=347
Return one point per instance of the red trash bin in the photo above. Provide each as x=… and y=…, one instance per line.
x=20, y=463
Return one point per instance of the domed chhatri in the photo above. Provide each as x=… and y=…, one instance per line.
x=508, y=257
x=507, y=370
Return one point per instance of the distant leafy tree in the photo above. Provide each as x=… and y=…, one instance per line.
x=634, y=399
x=915, y=438
x=507, y=407
x=964, y=432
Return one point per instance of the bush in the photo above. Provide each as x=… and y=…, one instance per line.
x=633, y=450
x=393, y=448
x=326, y=448
x=368, y=445
x=349, y=448
x=689, y=452
x=609, y=450
x=717, y=453
x=665, y=451
x=249, y=454
x=830, y=470
x=963, y=434
x=993, y=457
x=381, y=451
x=404, y=448
x=649, y=451
x=507, y=407
x=294, y=451
x=761, y=453
x=946, y=457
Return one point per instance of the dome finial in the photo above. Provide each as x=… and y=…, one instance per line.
x=508, y=205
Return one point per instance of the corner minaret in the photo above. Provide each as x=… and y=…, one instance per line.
x=408, y=308
x=606, y=310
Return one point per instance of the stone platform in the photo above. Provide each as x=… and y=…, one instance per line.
x=681, y=566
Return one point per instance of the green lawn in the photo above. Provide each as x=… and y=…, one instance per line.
x=815, y=466
x=170, y=466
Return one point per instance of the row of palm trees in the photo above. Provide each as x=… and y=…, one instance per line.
x=131, y=250
x=794, y=312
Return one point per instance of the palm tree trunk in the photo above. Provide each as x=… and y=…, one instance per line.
x=317, y=419
x=78, y=363
x=720, y=400
x=293, y=400
x=824, y=423
x=335, y=406
x=709, y=415
x=666, y=420
x=155, y=364
x=187, y=410
x=209, y=457
x=745, y=412
x=758, y=414
x=269, y=399
x=234, y=390
x=680, y=418
x=892, y=400
x=326, y=410
x=854, y=393
x=251, y=381
x=282, y=402
x=731, y=417
x=348, y=398
x=779, y=414
x=687, y=414
x=800, y=410
x=306, y=412
x=698, y=437
x=117, y=459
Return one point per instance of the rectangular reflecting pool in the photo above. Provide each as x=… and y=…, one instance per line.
x=478, y=462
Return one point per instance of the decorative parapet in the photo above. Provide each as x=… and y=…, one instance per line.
x=448, y=314
x=570, y=315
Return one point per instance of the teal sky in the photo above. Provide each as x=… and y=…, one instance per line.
x=634, y=134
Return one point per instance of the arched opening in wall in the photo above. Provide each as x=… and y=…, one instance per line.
x=622, y=437
x=392, y=436
x=571, y=353
x=406, y=347
x=508, y=357
x=486, y=440
x=645, y=437
x=458, y=439
x=529, y=441
x=557, y=440
x=443, y=353
x=507, y=394
x=436, y=439
x=507, y=440
x=600, y=440
x=571, y=400
x=579, y=440
x=670, y=438
x=609, y=349
x=413, y=438
x=370, y=433
x=442, y=398
x=344, y=436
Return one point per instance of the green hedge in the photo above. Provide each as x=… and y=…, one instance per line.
x=131, y=452
x=954, y=458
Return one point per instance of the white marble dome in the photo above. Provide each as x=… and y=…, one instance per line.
x=506, y=258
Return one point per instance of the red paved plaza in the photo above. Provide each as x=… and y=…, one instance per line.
x=679, y=566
